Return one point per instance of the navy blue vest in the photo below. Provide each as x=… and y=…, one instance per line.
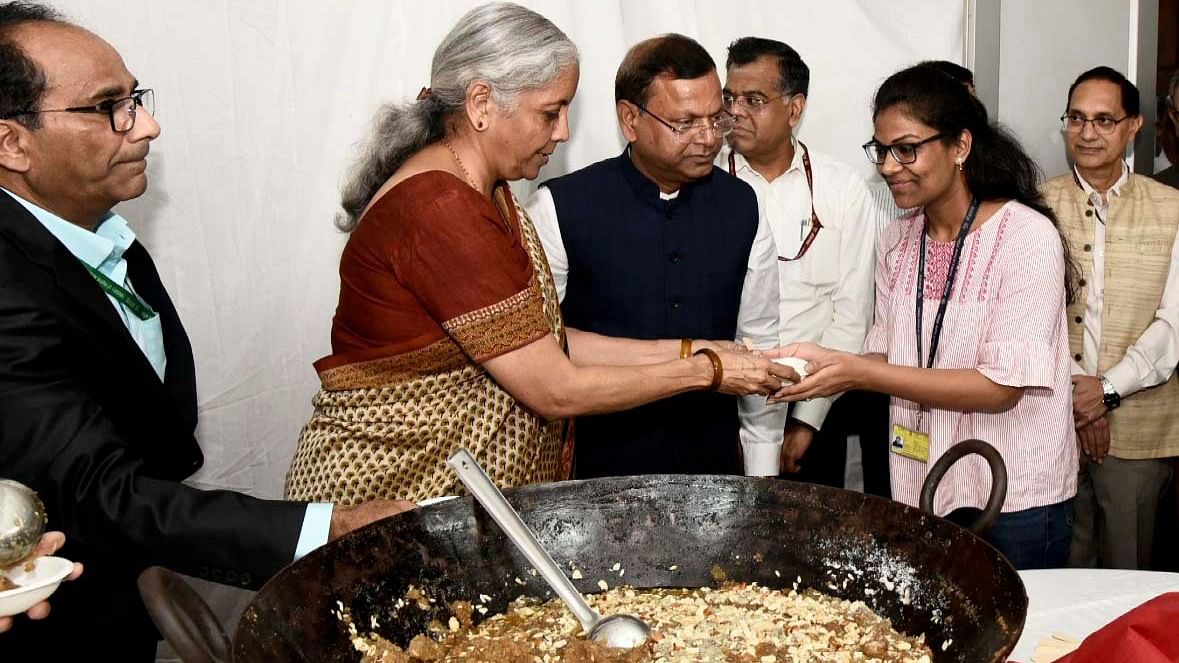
x=641, y=267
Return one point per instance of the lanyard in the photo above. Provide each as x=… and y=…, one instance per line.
x=125, y=297
x=941, y=308
x=810, y=185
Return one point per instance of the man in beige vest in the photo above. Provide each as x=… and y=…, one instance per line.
x=1123, y=326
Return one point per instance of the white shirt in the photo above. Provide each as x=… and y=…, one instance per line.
x=827, y=295
x=757, y=317
x=1151, y=359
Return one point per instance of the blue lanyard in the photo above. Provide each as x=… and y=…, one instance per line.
x=941, y=308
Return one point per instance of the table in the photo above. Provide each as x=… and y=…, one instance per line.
x=1077, y=602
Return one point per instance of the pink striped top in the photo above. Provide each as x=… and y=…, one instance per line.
x=1006, y=319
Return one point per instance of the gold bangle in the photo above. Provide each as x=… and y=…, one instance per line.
x=718, y=369
x=685, y=348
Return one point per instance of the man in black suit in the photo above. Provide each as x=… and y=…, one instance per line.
x=97, y=384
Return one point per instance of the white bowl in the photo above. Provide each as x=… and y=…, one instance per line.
x=797, y=363
x=35, y=586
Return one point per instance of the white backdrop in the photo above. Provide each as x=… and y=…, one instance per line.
x=1037, y=65
x=261, y=100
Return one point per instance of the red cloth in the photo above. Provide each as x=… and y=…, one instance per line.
x=1146, y=634
x=427, y=251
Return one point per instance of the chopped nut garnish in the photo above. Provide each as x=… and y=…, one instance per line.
x=736, y=623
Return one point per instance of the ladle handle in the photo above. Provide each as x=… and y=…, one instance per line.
x=479, y=484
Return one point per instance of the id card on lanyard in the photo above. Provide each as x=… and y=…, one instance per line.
x=914, y=442
x=810, y=185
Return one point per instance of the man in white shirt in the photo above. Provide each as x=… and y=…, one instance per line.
x=821, y=219
x=1123, y=325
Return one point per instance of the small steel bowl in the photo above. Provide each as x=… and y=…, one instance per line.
x=22, y=521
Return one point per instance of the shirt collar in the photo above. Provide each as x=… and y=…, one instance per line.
x=101, y=249
x=647, y=190
x=1115, y=190
x=740, y=164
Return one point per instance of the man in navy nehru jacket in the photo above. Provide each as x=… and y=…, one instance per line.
x=657, y=243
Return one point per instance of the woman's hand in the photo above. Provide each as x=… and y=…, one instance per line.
x=828, y=372
x=50, y=543
x=720, y=346
x=746, y=373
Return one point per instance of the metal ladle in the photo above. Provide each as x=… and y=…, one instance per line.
x=621, y=631
x=22, y=521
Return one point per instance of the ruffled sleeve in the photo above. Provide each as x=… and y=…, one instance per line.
x=1017, y=348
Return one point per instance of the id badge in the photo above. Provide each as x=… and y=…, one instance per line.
x=910, y=443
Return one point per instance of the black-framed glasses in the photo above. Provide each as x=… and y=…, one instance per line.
x=120, y=111
x=754, y=103
x=904, y=153
x=1074, y=123
x=688, y=129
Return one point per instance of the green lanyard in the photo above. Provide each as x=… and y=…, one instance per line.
x=125, y=297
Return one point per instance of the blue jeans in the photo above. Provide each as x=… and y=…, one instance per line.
x=1036, y=538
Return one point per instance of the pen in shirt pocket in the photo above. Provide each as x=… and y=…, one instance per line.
x=802, y=228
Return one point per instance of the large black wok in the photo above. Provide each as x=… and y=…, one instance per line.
x=925, y=574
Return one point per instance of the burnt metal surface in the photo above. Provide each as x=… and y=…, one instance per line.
x=924, y=573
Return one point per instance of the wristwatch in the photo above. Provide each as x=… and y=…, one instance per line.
x=1109, y=395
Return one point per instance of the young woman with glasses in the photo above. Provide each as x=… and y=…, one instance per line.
x=969, y=337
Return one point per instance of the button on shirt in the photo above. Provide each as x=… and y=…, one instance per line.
x=1152, y=358
x=103, y=250
x=827, y=295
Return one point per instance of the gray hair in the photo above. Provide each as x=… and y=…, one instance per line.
x=510, y=48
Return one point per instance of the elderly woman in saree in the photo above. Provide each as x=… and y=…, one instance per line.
x=448, y=331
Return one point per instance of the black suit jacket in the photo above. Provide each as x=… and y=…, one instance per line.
x=86, y=422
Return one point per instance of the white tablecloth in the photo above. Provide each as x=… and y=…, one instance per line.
x=1077, y=602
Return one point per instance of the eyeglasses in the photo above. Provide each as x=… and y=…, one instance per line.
x=120, y=111
x=754, y=103
x=1075, y=123
x=687, y=129
x=904, y=153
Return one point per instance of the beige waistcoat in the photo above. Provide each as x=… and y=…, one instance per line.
x=1139, y=234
